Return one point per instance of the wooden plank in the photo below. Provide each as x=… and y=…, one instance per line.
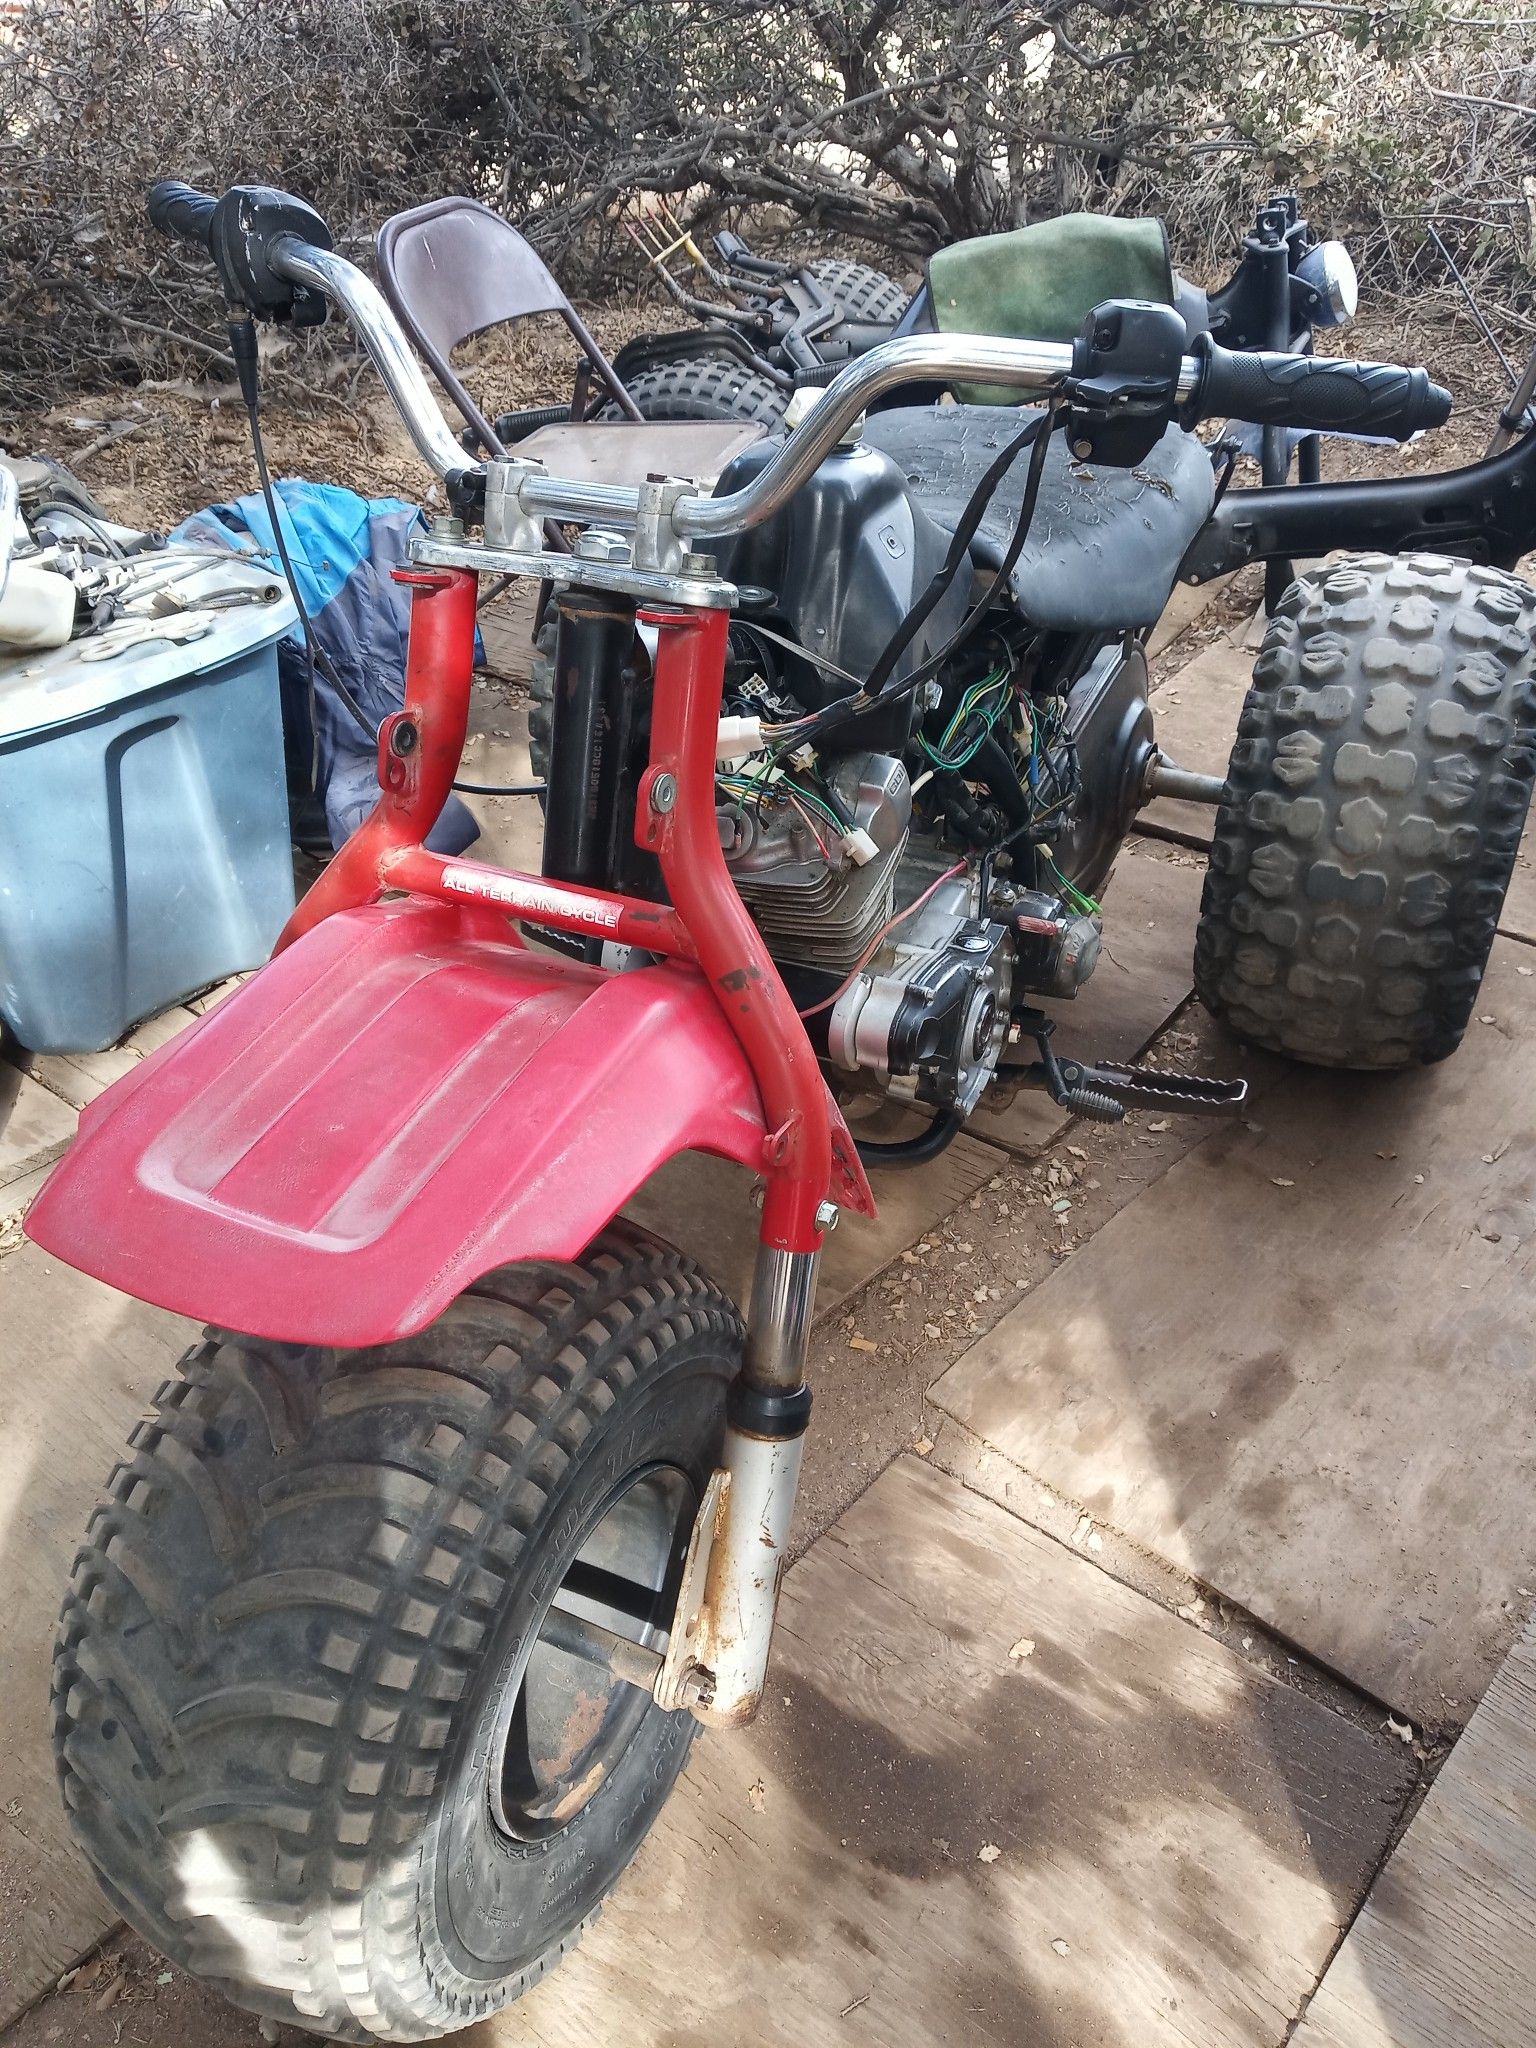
x=1443, y=1955
x=77, y=1367
x=35, y=1126
x=79, y=1077
x=1151, y=906
x=1302, y=1372
x=704, y=1207
x=1194, y=721
x=1187, y=603
x=1178, y=1838
x=1518, y=917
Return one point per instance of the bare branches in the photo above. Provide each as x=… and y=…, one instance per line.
x=900, y=123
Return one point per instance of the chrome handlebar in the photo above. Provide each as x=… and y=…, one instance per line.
x=1024, y=366
x=381, y=334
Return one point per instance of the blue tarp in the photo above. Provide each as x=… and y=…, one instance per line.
x=343, y=548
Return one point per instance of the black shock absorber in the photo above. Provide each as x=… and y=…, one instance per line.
x=597, y=751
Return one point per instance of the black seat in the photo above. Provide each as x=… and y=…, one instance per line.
x=1105, y=544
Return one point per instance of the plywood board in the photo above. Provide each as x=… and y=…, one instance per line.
x=78, y=1364
x=35, y=1127
x=1194, y=721
x=1187, y=602
x=1518, y=917
x=1303, y=1372
x=1151, y=906
x=1177, y=1839
x=1443, y=1954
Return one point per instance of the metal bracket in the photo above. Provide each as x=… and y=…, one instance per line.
x=658, y=545
x=507, y=525
x=573, y=572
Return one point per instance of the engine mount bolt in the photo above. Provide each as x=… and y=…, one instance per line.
x=664, y=794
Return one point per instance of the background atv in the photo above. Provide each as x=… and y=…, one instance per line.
x=774, y=327
x=769, y=327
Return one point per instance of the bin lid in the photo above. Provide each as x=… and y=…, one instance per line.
x=179, y=612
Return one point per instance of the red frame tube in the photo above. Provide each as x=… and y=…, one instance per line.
x=690, y=669
x=807, y=1154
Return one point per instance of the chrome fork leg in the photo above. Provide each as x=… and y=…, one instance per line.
x=767, y=1411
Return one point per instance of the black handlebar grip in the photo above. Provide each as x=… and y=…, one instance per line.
x=1319, y=393
x=177, y=209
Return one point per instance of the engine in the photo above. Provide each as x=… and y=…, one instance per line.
x=926, y=1010
x=821, y=886
x=930, y=1011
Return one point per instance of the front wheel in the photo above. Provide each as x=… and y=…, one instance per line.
x=1373, y=811
x=315, y=1726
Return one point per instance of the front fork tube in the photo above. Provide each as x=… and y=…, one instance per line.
x=767, y=1411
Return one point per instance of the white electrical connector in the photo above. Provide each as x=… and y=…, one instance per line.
x=859, y=847
x=737, y=738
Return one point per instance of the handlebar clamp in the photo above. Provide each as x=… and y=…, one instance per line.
x=1123, y=389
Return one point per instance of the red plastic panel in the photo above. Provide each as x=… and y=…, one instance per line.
x=390, y=1108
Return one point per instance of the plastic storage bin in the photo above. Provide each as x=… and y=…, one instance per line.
x=144, y=844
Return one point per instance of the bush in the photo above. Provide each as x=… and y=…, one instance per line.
x=896, y=123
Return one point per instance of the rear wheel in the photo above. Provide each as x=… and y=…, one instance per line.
x=705, y=388
x=1374, y=807
x=863, y=293
x=319, y=1727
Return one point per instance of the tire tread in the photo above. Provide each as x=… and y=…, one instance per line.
x=1375, y=800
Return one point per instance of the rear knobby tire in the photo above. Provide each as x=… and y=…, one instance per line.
x=1374, y=807
x=705, y=388
x=310, y=1588
x=865, y=294
x=541, y=696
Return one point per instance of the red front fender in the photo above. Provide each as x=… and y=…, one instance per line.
x=396, y=1104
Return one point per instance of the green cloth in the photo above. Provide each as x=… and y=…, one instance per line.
x=1040, y=283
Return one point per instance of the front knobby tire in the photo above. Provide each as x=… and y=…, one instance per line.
x=1374, y=806
x=309, y=1729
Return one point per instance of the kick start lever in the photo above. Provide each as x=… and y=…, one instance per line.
x=1102, y=1094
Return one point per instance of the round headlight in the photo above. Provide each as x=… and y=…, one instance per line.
x=1330, y=270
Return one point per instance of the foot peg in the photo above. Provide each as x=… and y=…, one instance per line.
x=1104, y=1093
x=1146, y=1088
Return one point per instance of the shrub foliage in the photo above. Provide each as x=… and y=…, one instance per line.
x=899, y=124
